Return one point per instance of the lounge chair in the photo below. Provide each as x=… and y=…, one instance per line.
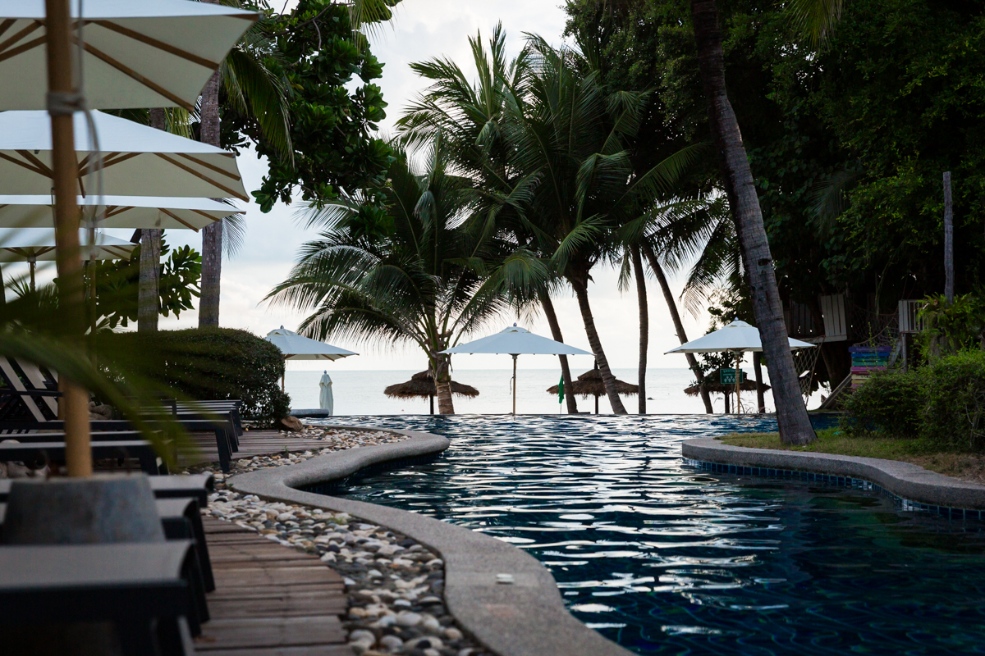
x=143, y=588
x=190, y=486
x=53, y=450
x=31, y=404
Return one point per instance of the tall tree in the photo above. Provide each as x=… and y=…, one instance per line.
x=150, y=259
x=401, y=267
x=792, y=419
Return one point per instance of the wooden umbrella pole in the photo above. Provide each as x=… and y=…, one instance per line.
x=514, y=384
x=61, y=94
x=738, y=390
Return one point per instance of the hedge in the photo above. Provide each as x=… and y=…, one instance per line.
x=214, y=363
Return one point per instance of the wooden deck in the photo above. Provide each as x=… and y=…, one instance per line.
x=251, y=443
x=270, y=600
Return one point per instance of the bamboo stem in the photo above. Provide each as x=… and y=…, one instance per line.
x=75, y=399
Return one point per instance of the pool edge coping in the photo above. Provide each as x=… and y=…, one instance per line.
x=910, y=483
x=525, y=618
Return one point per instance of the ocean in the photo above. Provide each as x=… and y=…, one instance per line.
x=361, y=392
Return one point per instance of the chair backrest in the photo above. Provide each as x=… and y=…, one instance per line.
x=14, y=381
x=36, y=379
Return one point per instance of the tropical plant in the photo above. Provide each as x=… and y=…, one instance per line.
x=950, y=327
x=402, y=267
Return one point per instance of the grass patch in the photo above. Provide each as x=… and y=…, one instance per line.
x=966, y=466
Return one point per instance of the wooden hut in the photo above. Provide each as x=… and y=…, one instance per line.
x=421, y=385
x=590, y=384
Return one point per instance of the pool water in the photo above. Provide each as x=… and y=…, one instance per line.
x=664, y=559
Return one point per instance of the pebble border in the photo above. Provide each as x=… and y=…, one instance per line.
x=500, y=595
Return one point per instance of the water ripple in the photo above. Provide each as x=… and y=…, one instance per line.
x=666, y=560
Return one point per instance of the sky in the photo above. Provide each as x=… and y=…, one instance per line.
x=421, y=30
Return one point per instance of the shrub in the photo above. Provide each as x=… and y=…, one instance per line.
x=213, y=363
x=953, y=413
x=951, y=327
x=888, y=403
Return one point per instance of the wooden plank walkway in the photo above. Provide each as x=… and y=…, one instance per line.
x=270, y=600
x=251, y=443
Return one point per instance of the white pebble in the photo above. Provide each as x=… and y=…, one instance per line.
x=408, y=619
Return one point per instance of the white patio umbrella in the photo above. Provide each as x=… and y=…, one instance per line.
x=516, y=341
x=299, y=347
x=137, y=53
x=136, y=159
x=33, y=245
x=134, y=212
x=737, y=337
x=326, y=400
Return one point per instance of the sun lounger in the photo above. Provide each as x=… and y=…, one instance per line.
x=144, y=589
x=54, y=451
x=32, y=405
x=191, y=486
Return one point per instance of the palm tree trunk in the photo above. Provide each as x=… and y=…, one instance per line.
x=791, y=413
x=150, y=262
x=757, y=367
x=608, y=380
x=675, y=316
x=208, y=307
x=442, y=383
x=569, y=396
x=644, y=324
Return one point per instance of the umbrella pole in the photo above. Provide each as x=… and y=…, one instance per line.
x=431, y=399
x=514, y=384
x=78, y=454
x=596, y=404
x=738, y=390
x=34, y=264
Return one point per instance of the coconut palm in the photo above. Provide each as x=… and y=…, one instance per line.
x=411, y=273
x=469, y=117
x=791, y=413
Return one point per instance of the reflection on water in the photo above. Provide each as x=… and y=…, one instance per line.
x=667, y=560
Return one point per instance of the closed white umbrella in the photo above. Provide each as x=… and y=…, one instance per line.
x=133, y=212
x=326, y=401
x=516, y=341
x=299, y=347
x=136, y=159
x=138, y=53
x=736, y=337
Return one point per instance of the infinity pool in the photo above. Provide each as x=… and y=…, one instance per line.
x=664, y=559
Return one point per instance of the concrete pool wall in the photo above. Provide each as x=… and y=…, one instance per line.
x=524, y=618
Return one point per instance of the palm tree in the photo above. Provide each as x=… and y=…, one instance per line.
x=469, y=117
x=791, y=413
x=410, y=273
x=253, y=89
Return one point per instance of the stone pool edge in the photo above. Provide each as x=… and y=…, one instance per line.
x=917, y=488
x=525, y=618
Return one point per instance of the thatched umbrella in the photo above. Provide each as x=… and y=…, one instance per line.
x=713, y=385
x=422, y=385
x=590, y=384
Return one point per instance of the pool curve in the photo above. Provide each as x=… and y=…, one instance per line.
x=665, y=559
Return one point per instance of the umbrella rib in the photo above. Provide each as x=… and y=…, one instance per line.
x=175, y=217
x=199, y=175
x=212, y=218
x=211, y=167
x=43, y=170
x=6, y=25
x=160, y=45
x=13, y=52
x=126, y=70
x=17, y=37
x=108, y=161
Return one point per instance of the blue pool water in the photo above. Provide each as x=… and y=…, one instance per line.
x=664, y=559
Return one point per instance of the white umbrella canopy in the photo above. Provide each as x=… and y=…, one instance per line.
x=516, y=341
x=136, y=159
x=38, y=244
x=138, y=53
x=326, y=401
x=299, y=347
x=737, y=336
x=150, y=212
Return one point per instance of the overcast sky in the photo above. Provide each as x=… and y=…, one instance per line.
x=423, y=29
